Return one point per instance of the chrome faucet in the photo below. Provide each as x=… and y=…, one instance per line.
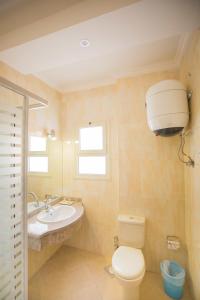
x=35, y=198
x=47, y=205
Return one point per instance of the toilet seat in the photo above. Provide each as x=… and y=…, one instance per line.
x=128, y=263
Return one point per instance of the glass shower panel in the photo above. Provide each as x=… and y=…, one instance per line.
x=12, y=221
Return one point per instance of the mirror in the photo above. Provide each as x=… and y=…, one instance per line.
x=44, y=157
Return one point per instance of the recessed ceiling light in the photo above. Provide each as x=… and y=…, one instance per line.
x=84, y=43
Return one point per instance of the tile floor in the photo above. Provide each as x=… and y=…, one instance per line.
x=73, y=274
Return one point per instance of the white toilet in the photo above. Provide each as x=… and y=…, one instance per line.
x=128, y=263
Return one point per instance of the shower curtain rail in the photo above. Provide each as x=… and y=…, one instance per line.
x=21, y=91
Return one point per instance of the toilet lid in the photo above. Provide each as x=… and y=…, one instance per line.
x=128, y=262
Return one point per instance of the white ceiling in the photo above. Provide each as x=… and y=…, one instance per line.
x=145, y=36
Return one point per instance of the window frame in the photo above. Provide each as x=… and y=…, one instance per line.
x=94, y=153
x=39, y=154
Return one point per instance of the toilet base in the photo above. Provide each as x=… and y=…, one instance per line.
x=130, y=289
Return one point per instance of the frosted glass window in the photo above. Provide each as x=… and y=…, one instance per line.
x=92, y=165
x=91, y=138
x=38, y=144
x=38, y=164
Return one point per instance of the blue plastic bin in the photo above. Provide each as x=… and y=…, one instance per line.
x=173, y=278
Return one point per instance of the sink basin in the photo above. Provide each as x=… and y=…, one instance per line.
x=56, y=214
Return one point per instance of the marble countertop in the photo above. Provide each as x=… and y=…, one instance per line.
x=37, y=230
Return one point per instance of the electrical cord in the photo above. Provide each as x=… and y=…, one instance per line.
x=182, y=154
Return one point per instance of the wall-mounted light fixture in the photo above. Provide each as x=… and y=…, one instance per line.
x=51, y=135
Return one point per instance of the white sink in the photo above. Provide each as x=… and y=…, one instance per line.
x=56, y=214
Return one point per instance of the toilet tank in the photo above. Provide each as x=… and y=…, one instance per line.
x=131, y=230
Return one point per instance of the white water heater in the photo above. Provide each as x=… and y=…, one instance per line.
x=167, y=107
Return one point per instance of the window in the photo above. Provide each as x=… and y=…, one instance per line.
x=37, y=144
x=38, y=164
x=38, y=161
x=91, y=138
x=92, y=156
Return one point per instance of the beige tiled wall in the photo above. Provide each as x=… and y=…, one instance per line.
x=146, y=176
x=100, y=197
x=190, y=74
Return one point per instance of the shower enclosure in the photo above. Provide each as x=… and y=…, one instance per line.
x=15, y=103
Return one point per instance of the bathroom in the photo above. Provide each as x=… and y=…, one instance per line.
x=79, y=93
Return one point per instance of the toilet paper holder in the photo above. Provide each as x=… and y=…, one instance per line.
x=173, y=242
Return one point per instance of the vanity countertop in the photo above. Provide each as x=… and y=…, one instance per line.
x=38, y=230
